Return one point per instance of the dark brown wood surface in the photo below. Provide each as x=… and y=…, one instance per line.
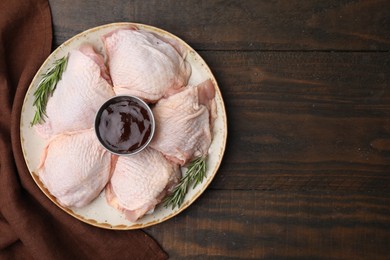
x=306, y=84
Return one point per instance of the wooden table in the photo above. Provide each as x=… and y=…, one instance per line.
x=306, y=84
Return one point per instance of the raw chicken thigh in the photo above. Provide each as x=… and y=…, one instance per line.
x=82, y=89
x=140, y=182
x=184, y=122
x=145, y=65
x=75, y=168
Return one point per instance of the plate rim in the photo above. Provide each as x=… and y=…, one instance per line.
x=185, y=205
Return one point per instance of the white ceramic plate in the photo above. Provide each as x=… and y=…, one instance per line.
x=99, y=213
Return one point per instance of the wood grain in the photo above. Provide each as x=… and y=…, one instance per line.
x=278, y=225
x=313, y=121
x=241, y=25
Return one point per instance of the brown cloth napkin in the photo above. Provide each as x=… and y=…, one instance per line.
x=31, y=226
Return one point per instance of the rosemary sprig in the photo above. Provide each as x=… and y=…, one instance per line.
x=195, y=174
x=46, y=88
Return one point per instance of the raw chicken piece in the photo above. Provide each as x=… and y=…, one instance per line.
x=183, y=123
x=145, y=65
x=75, y=168
x=140, y=182
x=81, y=91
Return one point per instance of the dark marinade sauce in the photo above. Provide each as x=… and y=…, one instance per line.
x=124, y=125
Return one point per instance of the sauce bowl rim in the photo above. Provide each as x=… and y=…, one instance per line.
x=98, y=116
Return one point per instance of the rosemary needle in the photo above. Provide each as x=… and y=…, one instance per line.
x=46, y=88
x=195, y=174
